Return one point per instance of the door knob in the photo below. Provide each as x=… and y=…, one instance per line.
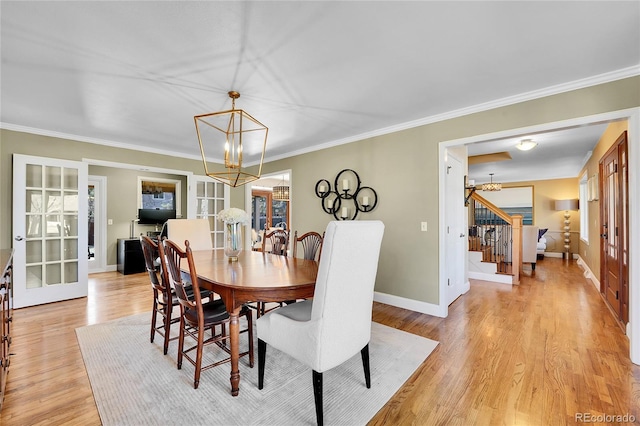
x=461, y=235
x=19, y=238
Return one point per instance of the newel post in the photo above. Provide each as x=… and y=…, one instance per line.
x=516, y=248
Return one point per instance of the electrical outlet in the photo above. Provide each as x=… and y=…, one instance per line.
x=423, y=226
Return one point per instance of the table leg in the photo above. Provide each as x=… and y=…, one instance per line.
x=234, y=335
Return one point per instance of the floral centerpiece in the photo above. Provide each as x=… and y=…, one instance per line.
x=233, y=219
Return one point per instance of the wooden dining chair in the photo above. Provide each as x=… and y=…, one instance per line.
x=196, y=317
x=164, y=299
x=335, y=325
x=311, y=243
x=278, y=241
x=274, y=241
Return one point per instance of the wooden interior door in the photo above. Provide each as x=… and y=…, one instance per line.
x=614, y=228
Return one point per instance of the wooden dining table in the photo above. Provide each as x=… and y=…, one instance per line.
x=254, y=277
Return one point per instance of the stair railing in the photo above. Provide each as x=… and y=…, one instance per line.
x=496, y=234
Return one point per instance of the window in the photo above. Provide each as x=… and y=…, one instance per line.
x=584, y=211
x=160, y=193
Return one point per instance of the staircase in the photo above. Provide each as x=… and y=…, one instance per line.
x=495, y=242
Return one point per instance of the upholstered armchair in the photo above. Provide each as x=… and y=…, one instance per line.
x=530, y=245
x=327, y=330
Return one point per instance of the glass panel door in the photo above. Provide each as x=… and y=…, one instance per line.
x=280, y=214
x=210, y=199
x=48, y=237
x=259, y=218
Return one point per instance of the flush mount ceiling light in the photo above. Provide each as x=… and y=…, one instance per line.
x=492, y=186
x=526, y=144
x=231, y=132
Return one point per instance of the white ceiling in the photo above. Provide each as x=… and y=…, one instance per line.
x=134, y=74
x=559, y=154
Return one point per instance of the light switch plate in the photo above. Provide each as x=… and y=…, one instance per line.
x=423, y=226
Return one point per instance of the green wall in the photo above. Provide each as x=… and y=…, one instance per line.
x=121, y=183
x=402, y=167
x=122, y=203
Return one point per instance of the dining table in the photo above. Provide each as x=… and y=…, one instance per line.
x=254, y=277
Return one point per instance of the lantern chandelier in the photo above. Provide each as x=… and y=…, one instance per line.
x=492, y=186
x=281, y=192
x=237, y=133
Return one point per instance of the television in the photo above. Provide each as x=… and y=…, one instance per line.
x=155, y=216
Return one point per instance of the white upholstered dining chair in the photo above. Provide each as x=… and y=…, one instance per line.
x=327, y=330
x=197, y=231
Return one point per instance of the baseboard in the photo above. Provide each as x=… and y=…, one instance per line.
x=558, y=255
x=412, y=305
x=496, y=278
x=108, y=268
x=588, y=273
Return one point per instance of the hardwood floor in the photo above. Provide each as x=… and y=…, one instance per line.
x=535, y=354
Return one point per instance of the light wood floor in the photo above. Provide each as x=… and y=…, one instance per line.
x=534, y=354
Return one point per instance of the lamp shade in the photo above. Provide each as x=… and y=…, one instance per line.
x=565, y=205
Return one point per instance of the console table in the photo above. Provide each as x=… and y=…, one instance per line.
x=130, y=256
x=6, y=307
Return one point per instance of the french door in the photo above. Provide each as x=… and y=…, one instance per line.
x=49, y=230
x=267, y=212
x=614, y=219
x=210, y=198
x=97, y=218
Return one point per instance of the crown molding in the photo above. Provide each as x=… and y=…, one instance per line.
x=498, y=103
x=511, y=100
x=96, y=141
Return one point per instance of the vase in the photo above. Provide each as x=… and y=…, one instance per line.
x=233, y=242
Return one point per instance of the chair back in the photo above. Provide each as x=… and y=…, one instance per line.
x=197, y=231
x=173, y=255
x=278, y=241
x=311, y=243
x=529, y=244
x=151, y=253
x=343, y=297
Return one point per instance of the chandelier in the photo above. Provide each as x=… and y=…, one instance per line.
x=235, y=133
x=492, y=186
x=281, y=192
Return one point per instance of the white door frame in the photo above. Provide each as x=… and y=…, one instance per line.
x=247, y=200
x=633, y=117
x=189, y=175
x=99, y=263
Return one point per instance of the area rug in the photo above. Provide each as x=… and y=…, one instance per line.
x=133, y=383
